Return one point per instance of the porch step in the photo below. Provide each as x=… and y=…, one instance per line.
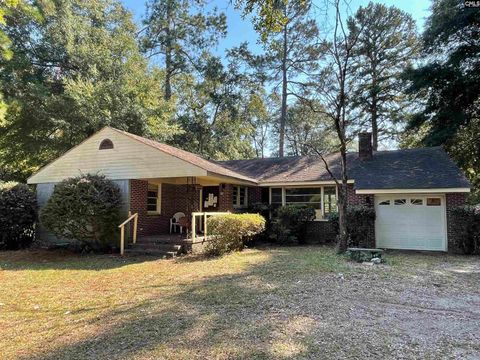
x=152, y=252
x=154, y=249
x=158, y=241
x=152, y=245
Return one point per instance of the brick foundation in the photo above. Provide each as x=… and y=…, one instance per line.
x=321, y=232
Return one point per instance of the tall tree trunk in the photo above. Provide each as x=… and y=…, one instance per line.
x=340, y=125
x=342, y=206
x=283, y=112
x=168, y=54
x=374, y=111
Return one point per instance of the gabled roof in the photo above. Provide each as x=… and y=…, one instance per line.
x=423, y=168
x=189, y=157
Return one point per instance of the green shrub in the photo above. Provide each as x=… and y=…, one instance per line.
x=232, y=231
x=289, y=224
x=86, y=209
x=466, y=228
x=18, y=212
x=360, y=225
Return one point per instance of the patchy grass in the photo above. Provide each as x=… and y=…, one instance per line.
x=303, y=302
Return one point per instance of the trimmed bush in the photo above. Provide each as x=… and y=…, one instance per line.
x=84, y=208
x=289, y=225
x=360, y=225
x=18, y=212
x=232, y=231
x=466, y=227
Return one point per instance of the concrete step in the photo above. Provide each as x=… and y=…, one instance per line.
x=150, y=245
x=153, y=240
x=152, y=252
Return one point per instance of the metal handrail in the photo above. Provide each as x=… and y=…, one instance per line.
x=122, y=230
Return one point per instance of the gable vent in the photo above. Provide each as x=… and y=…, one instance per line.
x=106, y=144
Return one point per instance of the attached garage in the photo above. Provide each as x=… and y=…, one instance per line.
x=411, y=222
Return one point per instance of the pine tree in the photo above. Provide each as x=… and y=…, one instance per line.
x=387, y=45
x=178, y=32
x=292, y=57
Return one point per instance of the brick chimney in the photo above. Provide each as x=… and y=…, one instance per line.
x=365, y=151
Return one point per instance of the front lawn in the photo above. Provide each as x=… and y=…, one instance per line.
x=302, y=302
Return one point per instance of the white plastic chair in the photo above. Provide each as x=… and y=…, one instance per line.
x=174, y=222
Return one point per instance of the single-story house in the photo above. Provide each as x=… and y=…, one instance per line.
x=412, y=190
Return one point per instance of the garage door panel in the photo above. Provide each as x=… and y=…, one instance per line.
x=410, y=226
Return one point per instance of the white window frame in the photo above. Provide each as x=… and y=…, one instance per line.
x=236, y=204
x=322, y=194
x=159, y=200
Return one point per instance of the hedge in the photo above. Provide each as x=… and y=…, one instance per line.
x=84, y=208
x=289, y=224
x=360, y=225
x=466, y=228
x=18, y=212
x=230, y=232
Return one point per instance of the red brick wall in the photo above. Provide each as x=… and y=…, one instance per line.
x=254, y=195
x=453, y=200
x=174, y=199
x=225, y=202
x=358, y=199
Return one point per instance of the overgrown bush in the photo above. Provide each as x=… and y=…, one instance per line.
x=360, y=225
x=289, y=224
x=466, y=227
x=231, y=232
x=18, y=212
x=84, y=208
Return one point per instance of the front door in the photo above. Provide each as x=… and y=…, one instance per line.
x=210, y=198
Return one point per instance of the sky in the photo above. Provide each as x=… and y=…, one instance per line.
x=241, y=30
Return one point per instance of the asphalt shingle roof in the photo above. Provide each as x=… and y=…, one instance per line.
x=423, y=168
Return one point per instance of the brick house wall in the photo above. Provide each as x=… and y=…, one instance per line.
x=254, y=195
x=225, y=202
x=453, y=200
x=174, y=198
x=358, y=199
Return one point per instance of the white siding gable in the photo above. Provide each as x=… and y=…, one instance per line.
x=129, y=159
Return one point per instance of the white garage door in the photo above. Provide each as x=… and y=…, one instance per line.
x=414, y=222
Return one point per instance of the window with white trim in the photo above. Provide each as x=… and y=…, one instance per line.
x=276, y=198
x=322, y=198
x=329, y=200
x=154, y=198
x=434, y=201
x=239, y=197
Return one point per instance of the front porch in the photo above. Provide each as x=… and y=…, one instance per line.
x=157, y=200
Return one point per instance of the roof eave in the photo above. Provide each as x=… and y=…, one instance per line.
x=238, y=180
x=411, y=191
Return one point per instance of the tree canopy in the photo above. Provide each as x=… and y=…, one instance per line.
x=70, y=67
x=449, y=79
